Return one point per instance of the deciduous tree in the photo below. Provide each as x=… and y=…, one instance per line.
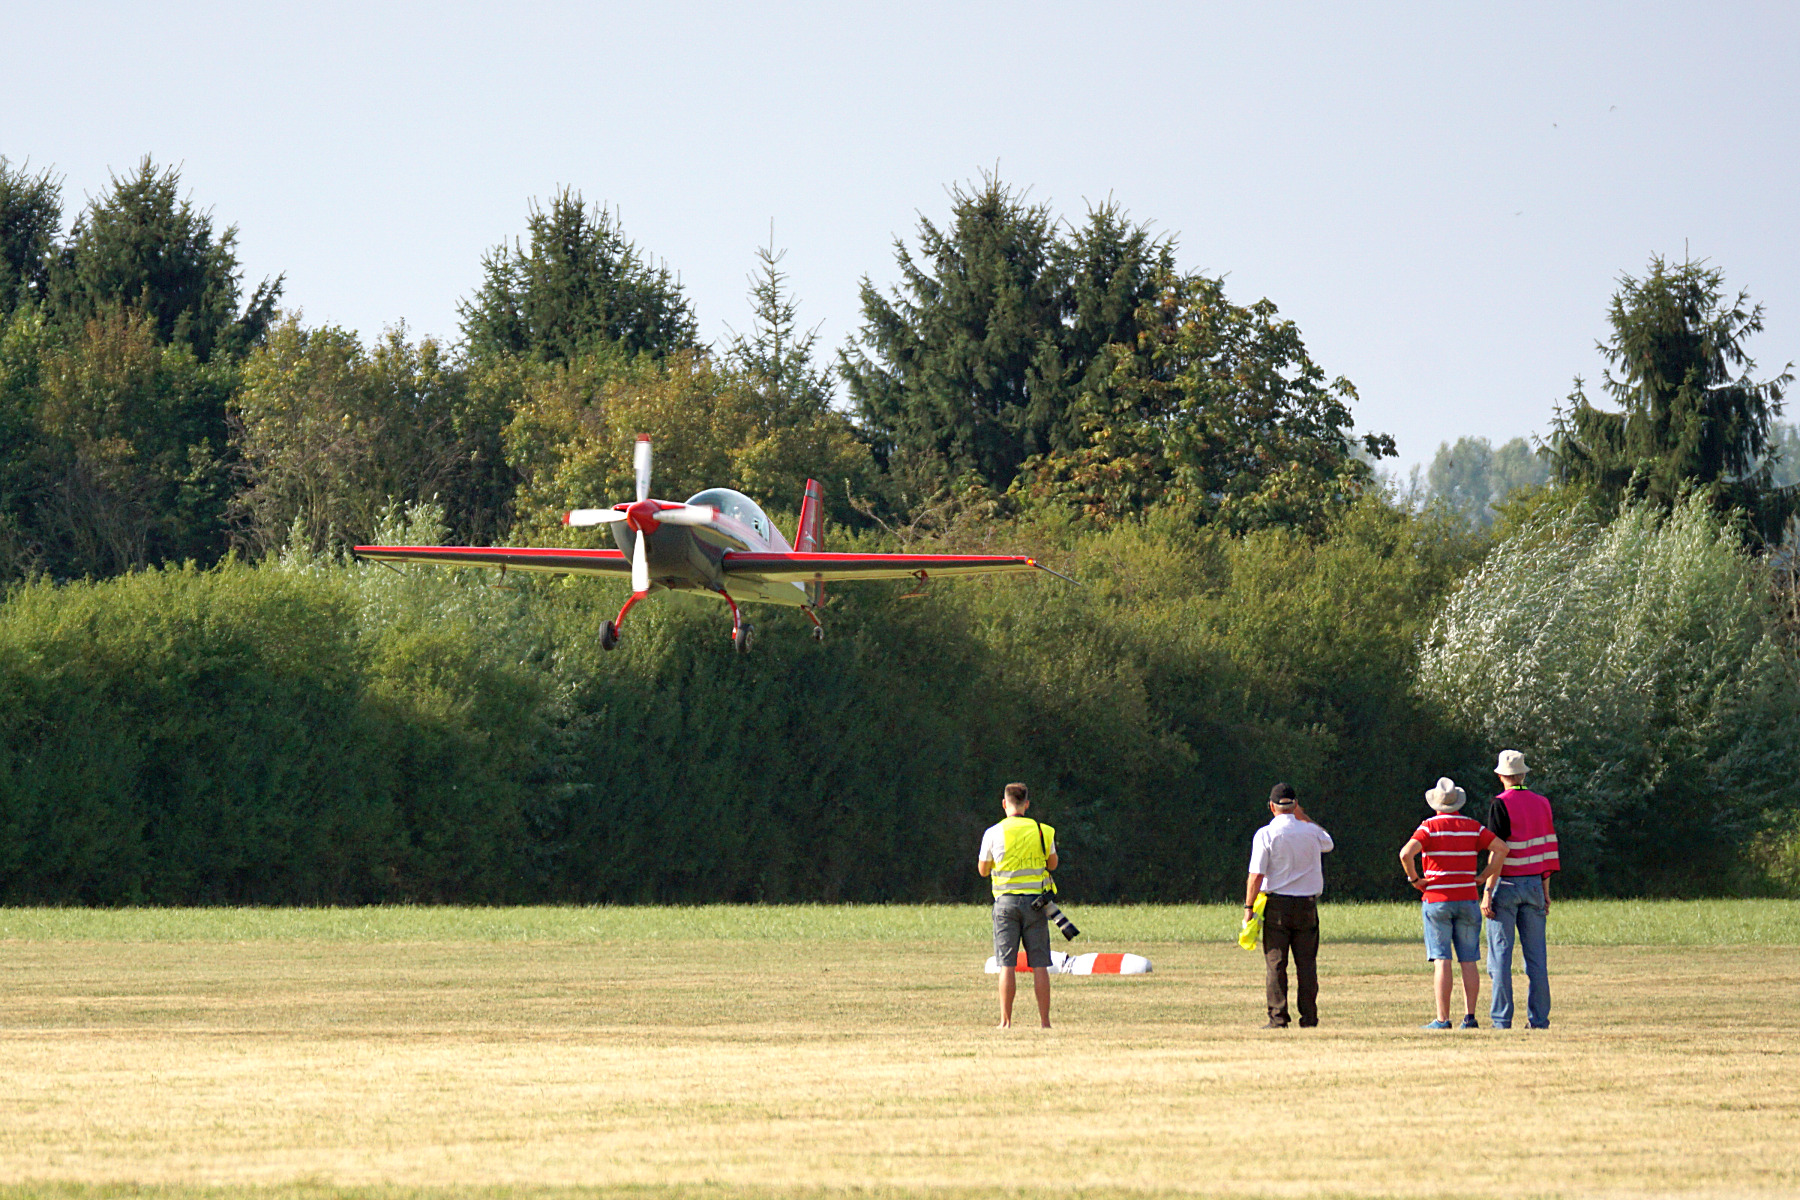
x=331, y=436
x=1213, y=407
x=131, y=441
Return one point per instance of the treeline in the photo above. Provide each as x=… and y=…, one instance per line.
x=153, y=414
x=201, y=699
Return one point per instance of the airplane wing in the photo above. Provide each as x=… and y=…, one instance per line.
x=801, y=567
x=516, y=558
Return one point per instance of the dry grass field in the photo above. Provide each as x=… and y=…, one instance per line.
x=749, y=1053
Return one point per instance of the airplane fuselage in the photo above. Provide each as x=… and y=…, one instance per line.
x=690, y=558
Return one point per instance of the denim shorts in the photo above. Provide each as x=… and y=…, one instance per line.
x=1452, y=923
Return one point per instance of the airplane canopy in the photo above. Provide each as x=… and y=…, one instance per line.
x=739, y=507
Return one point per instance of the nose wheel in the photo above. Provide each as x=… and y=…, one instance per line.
x=742, y=636
x=609, y=632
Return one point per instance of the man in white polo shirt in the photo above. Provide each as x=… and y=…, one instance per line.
x=1285, y=863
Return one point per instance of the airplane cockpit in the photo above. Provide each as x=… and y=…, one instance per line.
x=740, y=507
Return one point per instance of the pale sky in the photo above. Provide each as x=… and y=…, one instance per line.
x=1441, y=196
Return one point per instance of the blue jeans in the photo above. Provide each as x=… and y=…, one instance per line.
x=1519, y=916
x=1451, y=925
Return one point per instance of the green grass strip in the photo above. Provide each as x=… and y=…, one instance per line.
x=1572, y=923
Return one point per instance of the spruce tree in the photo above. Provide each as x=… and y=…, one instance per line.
x=142, y=246
x=979, y=359
x=581, y=286
x=30, y=213
x=953, y=367
x=1690, y=412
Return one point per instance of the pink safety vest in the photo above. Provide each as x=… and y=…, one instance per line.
x=1531, y=847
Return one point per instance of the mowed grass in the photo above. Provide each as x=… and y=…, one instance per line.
x=743, y=1053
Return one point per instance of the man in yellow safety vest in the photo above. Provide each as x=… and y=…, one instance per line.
x=1018, y=854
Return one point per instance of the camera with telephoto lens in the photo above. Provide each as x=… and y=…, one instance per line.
x=1044, y=904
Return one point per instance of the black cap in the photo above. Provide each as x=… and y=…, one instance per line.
x=1282, y=794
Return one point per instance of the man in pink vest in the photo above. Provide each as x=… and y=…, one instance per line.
x=1517, y=903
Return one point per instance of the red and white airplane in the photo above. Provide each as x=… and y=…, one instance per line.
x=720, y=542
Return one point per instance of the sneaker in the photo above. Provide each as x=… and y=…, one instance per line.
x=1435, y=1025
x=1469, y=1022
x=1276, y=1025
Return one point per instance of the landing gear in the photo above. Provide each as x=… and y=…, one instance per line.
x=742, y=632
x=818, y=630
x=818, y=633
x=609, y=632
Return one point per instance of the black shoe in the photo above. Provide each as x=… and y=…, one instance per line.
x=1309, y=1024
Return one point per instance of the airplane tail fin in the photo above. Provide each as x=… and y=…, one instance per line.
x=809, y=536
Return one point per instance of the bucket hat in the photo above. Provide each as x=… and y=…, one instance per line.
x=1446, y=797
x=1511, y=763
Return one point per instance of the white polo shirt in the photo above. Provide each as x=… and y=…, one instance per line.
x=1285, y=852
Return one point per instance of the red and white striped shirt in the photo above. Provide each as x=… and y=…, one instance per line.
x=1451, y=841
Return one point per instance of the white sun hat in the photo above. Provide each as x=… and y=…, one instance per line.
x=1511, y=763
x=1446, y=797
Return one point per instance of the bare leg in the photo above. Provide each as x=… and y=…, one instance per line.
x=1040, y=982
x=1009, y=987
x=1471, y=987
x=1441, y=980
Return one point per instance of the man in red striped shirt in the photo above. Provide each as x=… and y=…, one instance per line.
x=1450, y=843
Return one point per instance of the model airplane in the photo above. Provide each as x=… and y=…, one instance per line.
x=719, y=542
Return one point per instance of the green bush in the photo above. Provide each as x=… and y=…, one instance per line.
x=1638, y=667
x=308, y=730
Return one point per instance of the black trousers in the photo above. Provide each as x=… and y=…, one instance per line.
x=1291, y=922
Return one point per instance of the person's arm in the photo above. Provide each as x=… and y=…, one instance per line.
x=986, y=867
x=1407, y=853
x=1546, y=895
x=1252, y=889
x=1050, y=859
x=1490, y=874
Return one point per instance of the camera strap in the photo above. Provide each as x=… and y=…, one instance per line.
x=1051, y=890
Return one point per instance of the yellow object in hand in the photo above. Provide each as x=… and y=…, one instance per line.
x=1253, y=923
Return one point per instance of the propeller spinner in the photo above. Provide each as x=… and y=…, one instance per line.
x=642, y=516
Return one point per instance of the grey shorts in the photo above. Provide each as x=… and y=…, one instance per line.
x=1015, y=921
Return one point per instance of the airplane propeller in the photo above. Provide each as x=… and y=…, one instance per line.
x=643, y=516
x=640, y=561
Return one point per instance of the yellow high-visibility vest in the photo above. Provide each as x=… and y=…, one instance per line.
x=1022, y=870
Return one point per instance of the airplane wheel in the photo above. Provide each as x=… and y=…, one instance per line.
x=818, y=633
x=742, y=637
x=609, y=636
